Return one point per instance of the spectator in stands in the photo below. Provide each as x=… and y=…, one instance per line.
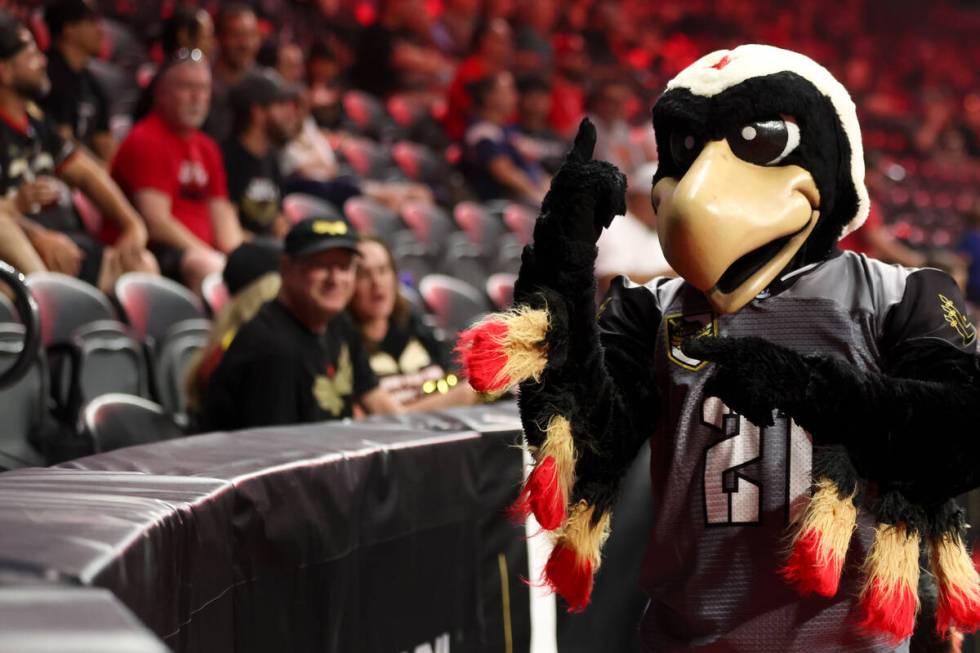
x=452, y=33
x=631, y=246
x=608, y=106
x=188, y=27
x=404, y=353
x=532, y=38
x=875, y=239
x=77, y=103
x=35, y=160
x=567, y=88
x=265, y=120
x=286, y=58
x=239, y=41
x=492, y=53
x=535, y=139
x=492, y=164
x=175, y=176
x=300, y=359
x=394, y=53
x=251, y=277
x=969, y=246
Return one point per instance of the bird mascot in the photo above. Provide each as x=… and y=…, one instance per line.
x=812, y=412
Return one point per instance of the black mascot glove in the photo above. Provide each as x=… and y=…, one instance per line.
x=584, y=197
x=751, y=375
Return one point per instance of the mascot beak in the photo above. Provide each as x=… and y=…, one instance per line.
x=729, y=226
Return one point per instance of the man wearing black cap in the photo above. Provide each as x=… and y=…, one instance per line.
x=77, y=103
x=265, y=119
x=300, y=359
x=35, y=160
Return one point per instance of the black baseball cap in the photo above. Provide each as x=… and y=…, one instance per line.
x=14, y=36
x=313, y=235
x=250, y=261
x=260, y=88
x=58, y=13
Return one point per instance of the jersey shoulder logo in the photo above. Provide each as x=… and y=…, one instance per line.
x=960, y=322
x=679, y=327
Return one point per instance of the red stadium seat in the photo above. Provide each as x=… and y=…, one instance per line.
x=500, y=289
x=454, y=303
x=215, y=292
x=299, y=206
x=372, y=218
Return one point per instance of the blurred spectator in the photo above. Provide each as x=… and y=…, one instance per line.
x=394, y=53
x=567, y=91
x=969, y=246
x=492, y=53
x=286, y=58
x=532, y=38
x=452, y=33
x=190, y=28
x=952, y=264
x=876, y=240
x=175, y=175
x=325, y=86
x=35, y=160
x=404, y=353
x=300, y=359
x=77, y=103
x=535, y=139
x=252, y=279
x=492, y=164
x=631, y=246
x=239, y=40
x=608, y=108
x=265, y=120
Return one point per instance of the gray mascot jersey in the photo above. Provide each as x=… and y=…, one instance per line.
x=725, y=490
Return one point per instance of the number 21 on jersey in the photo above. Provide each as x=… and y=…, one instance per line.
x=751, y=471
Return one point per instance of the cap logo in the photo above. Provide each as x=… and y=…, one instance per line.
x=330, y=227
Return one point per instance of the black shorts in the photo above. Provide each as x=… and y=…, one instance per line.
x=170, y=259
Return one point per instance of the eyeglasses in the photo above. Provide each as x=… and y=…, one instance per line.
x=187, y=54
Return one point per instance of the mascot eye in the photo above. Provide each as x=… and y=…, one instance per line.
x=765, y=142
x=684, y=148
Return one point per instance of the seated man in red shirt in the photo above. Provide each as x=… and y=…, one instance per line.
x=175, y=176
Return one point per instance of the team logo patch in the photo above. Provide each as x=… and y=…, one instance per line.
x=960, y=322
x=679, y=328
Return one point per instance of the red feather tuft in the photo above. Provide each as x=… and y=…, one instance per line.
x=808, y=570
x=957, y=608
x=482, y=355
x=570, y=576
x=889, y=611
x=542, y=495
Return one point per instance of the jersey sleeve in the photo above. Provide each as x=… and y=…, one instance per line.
x=932, y=311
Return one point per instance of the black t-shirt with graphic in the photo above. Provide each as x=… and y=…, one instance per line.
x=253, y=186
x=76, y=99
x=276, y=371
x=33, y=148
x=409, y=357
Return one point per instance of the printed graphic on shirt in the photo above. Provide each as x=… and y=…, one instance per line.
x=337, y=383
x=957, y=320
x=260, y=202
x=680, y=327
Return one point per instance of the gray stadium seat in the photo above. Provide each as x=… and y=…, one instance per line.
x=114, y=421
x=23, y=405
x=454, y=303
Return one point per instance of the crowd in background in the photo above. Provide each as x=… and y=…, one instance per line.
x=198, y=119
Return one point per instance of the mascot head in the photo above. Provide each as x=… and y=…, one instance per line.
x=761, y=170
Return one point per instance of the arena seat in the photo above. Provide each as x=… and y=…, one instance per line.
x=154, y=306
x=454, y=303
x=371, y=218
x=175, y=351
x=298, y=206
x=520, y=221
x=419, y=163
x=464, y=260
x=119, y=420
x=367, y=158
x=364, y=113
x=215, y=292
x=431, y=226
x=411, y=257
x=89, y=350
x=8, y=312
x=507, y=256
x=500, y=289
x=481, y=227
x=23, y=405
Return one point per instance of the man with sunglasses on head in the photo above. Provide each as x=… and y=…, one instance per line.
x=37, y=167
x=175, y=175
